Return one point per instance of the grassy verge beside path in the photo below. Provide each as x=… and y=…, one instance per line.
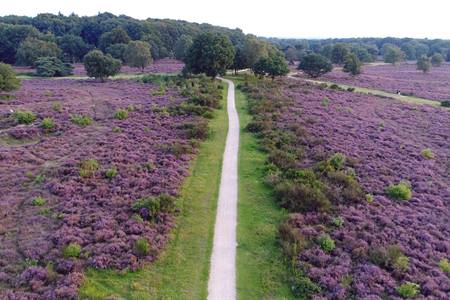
x=182, y=270
x=262, y=272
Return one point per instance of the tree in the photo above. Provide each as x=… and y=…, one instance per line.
x=315, y=65
x=116, y=36
x=273, y=65
x=117, y=51
x=73, y=47
x=291, y=55
x=437, y=59
x=32, y=48
x=8, y=80
x=362, y=53
x=182, y=47
x=424, y=63
x=211, y=53
x=52, y=67
x=339, y=53
x=393, y=54
x=138, y=54
x=10, y=38
x=448, y=56
x=99, y=65
x=352, y=64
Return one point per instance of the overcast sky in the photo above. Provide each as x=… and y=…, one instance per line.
x=277, y=18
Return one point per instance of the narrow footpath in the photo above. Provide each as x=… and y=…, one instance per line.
x=222, y=275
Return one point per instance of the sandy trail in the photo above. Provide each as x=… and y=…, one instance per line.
x=222, y=276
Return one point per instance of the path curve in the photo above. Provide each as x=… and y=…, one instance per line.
x=222, y=275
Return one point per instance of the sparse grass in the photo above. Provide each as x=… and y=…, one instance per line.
x=181, y=272
x=262, y=268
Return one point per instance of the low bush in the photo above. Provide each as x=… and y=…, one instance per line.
x=142, y=247
x=24, y=117
x=303, y=287
x=57, y=106
x=197, y=130
x=150, y=207
x=48, y=124
x=400, y=191
x=111, y=173
x=38, y=201
x=8, y=80
x=408, y=290
x=121, y=114
x=337, y=161
x=326, y=242
x=444, y=265
x=390, y=258
x=282, y=159
x=81, y=120
x=52, y=67
x=292, y=241
x=72, y=250
x=350, y=89
x=427, y=153
x=337, y=221
x=88, y=168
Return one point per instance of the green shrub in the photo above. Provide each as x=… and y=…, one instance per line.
x=142, y=247
x=111, y=173
x=445, y=103
x=72, y=250
x=343, y=187
x=400, y=191
x=445, y=266
x=369, y=198
x=303, y=287
x=57, y=106
x=24, y=117
x=81, y=120
x=337, y=161
x=121, y=114
x=427, y=153
x=52, y=67
x=338, y=222
x=198, y=130
x=401, y=263
x=326, y=242
x=391, y=258
x=163, y=203
x=282, y=159
x=8, y=80
x=48, y=124
x=88, y=168
x=38, y=201
x=408, y=290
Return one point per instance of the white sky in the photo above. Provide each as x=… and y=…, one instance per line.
x=278, y=18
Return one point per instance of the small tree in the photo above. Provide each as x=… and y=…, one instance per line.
x=73, y=46
x=352, y=65
x=211, y=54
x=273, y=65
x=315, y=65
x=52, y=67
x=116, y=36
x=32, y=48
x=182, y=47
x=339, y=54
x=424, y=64
x=393, y=54
x=117, y=51
x=138, y=54
x=8, y=80
x=101, y=66
x=437, y=59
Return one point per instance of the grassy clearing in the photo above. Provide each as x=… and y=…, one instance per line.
x=262, y=272
x=409, y=99
x=182, y=270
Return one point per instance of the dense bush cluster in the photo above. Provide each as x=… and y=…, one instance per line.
x=357, y=241
x=109, y=204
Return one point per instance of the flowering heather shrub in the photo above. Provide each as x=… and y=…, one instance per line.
x=24, y=117
x=350, y=125
x=93, y=212
x=408, y=290
x=400, y=191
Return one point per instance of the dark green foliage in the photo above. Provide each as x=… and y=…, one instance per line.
x=424, y=64
x=137, y=54
x=24, y=117
x=117, y=51
x=339, y=54
x=303, y=287
x=211, y=54
x=11, y=36
x=198, y=130
x=182, y=47
x=445, y=103
x=111, y=173
x=116, y=36
x=315, y=65
x=337, y=161
x=8, y=80
x=273, y=65
x=437, y=59
x=326, y=243
x=352, y=64
x=73, y=47
x=101, y=66
x=393, y=54
x=52, y=67
x=32, y=48
x=72, y=250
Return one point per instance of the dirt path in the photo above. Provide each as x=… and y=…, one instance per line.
x=222, y=276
